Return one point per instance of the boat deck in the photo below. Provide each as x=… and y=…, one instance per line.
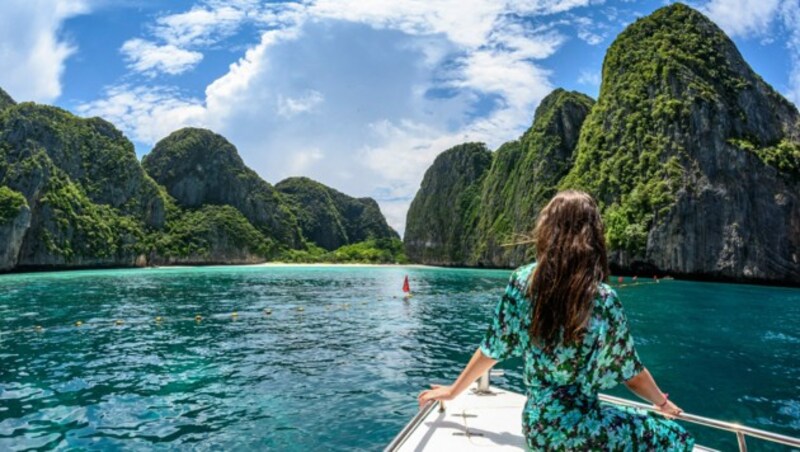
x=474, y=421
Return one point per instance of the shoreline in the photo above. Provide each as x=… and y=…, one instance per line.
x=676, y=276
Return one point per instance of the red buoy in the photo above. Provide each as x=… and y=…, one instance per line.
x=406, y=288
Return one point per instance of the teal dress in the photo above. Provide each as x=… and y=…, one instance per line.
x=563, y=411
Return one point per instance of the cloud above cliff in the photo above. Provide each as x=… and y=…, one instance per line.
x=32, y=47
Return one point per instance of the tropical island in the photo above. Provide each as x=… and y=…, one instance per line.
x=693, y=157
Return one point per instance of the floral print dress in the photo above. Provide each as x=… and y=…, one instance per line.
x=563, y=411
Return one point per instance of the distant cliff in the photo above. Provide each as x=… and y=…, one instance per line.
x=442, y=222
x=199, y=167
x=330, y=218
x=74, y=195
x=694, y=159
x=73, y=190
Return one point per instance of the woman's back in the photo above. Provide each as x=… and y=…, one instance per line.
x=563, y=379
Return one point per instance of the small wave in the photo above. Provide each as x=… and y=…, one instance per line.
x=773, y=336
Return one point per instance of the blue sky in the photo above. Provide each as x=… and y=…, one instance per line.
x=358, y=94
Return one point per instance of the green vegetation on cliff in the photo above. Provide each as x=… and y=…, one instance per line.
x=660, y=77
x=11, y=202
x=199, y=167
x=330, y=219
x=694, y=159
x=5, y=100
x=213, y=233
x=524, y=176
x=441, y=225
x=372, y=251
x=90, y=202
x=473, y=204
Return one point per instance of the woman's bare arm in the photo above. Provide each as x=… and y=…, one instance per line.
x=644, y=386
x=478, y=364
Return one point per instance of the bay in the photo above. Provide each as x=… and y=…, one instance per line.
x=331, y=358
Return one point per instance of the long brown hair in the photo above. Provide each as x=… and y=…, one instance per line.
x=571, y=261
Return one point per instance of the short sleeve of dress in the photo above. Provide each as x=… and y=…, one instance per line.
x=506, y=336
x=625, y=360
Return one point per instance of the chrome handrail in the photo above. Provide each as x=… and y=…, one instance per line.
x=741, y=431
x=411, y=426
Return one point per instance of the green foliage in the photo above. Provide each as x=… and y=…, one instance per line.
x=784, y=156
x=331, y=219
x=630, y=155
x=11, y=203
x=443, y=218
x=208, y=230
x=83, y=228
x=372, y=251
x=525, y=174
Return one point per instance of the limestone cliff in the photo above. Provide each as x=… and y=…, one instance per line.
x=87, y=201
x=331, y=219
x=442, y=222
x=696, y=160
x=199, y=167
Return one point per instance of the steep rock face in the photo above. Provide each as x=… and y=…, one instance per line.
x=330, y=218
x=695, y=159
x=524, y=176
x=442, y=222
x=5, y=100
x=199, y=167
x=87, y=200
x=15, y=218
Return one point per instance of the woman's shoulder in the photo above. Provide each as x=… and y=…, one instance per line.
x=607, y=296
x=520, y=278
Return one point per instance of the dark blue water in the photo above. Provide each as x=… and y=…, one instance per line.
x=343, y=373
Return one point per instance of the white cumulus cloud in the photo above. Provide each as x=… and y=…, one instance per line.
x=32, y=50
x=150, y=58
x=742, y=17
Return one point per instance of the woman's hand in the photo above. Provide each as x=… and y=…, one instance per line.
x=669, y=409
x=437, y=392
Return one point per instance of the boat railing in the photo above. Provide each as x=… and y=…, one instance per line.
x=741, y=431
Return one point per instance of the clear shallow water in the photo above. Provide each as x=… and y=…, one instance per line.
x=343, y=373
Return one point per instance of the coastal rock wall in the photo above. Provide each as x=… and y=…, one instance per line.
x=694, y=159
x=74, y=195
x=442, y=222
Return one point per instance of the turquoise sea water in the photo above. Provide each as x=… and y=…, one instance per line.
x=343, y=373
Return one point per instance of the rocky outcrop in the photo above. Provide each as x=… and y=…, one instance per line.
x=74, y=195
x=477, y=208
x=694, y=159
x=442, y=222
x=199, y=167
x=524, y=176
x=5, y=100
x=87, y=200
x=15, y=218
x=331, y=219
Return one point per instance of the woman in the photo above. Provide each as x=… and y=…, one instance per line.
x=570, y=328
